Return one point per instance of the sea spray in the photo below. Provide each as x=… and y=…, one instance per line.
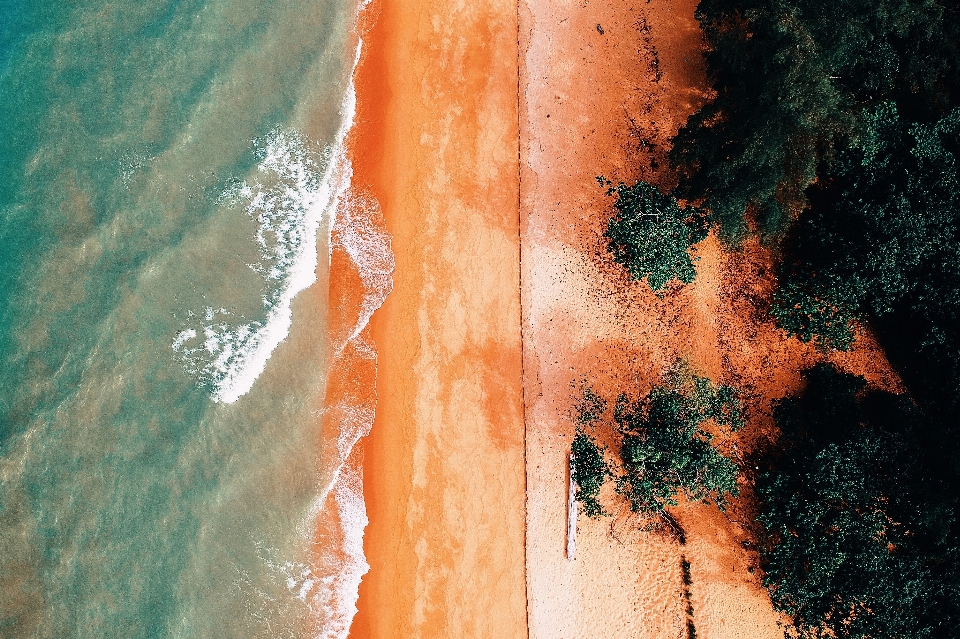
x=340, y=563
x=294, y=190
x=360, y=231
x=362, y=264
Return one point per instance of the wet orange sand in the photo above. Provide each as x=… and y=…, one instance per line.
x=606, y=83
x=435, y=142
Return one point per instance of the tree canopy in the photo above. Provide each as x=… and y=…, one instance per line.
x=668, y=448
x=858, y=516
x=790, y=80
x=834, y=131
x=880, y=242
x=667, y=445
x=650, y=234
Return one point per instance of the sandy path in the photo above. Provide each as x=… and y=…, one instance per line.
x=606, y=84
x=436, y=143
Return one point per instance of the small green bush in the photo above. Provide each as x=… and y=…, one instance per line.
x=650, y=234
x=590, y=472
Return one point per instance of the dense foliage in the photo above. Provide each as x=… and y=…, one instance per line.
x=667, y=446
x=834, y=134
x=881, y=242
x=590, y=472
x=858, y=515
x=650, y=234
x=791, y=79
x=881, y=228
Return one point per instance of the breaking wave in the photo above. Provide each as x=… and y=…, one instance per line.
x=362, y=264
x=295, y=188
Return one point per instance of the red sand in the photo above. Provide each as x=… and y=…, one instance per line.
x=436, y=143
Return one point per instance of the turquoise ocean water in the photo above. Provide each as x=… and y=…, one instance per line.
x=168, y=170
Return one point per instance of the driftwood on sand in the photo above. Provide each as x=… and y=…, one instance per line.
x=572, y=512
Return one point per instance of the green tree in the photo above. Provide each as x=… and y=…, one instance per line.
x=667, y=448
x=756, y=144
x=858, y=526
x=790, y=79
x=667, y=445
x=650, y=234
x=880, y=243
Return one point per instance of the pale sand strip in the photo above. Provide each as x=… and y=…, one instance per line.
x=436, y=144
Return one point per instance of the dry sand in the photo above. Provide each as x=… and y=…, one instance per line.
x=435, y=143
x=606, y=83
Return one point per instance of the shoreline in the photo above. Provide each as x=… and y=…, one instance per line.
x=435, y=143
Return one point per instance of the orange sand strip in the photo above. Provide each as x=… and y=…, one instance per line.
x=606, y=84
x=435, y=142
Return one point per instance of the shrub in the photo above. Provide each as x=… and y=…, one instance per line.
x=666, y=447
x=590, y=472
x=650, y=234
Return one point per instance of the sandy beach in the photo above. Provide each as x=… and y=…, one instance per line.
x=465, y=472
x=435, y=142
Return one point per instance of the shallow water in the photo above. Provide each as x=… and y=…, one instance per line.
x=168, y=172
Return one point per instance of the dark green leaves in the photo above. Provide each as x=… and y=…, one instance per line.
x=590, y=472
x=666, y=442
x=791, y=79
x=880, y=229
x=668, y=447
x=856, y=526
x=650, y=234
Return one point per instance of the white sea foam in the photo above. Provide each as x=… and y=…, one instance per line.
x=353, y=520
x=342, y=562
x=329, y=585
x=232, y=354
x=294, y=190
x=360, y=231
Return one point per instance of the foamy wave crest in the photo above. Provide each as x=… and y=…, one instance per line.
x=359, y=229
x=341, y=560
x=329, y=584
x=294, y=190
x=360, y=233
